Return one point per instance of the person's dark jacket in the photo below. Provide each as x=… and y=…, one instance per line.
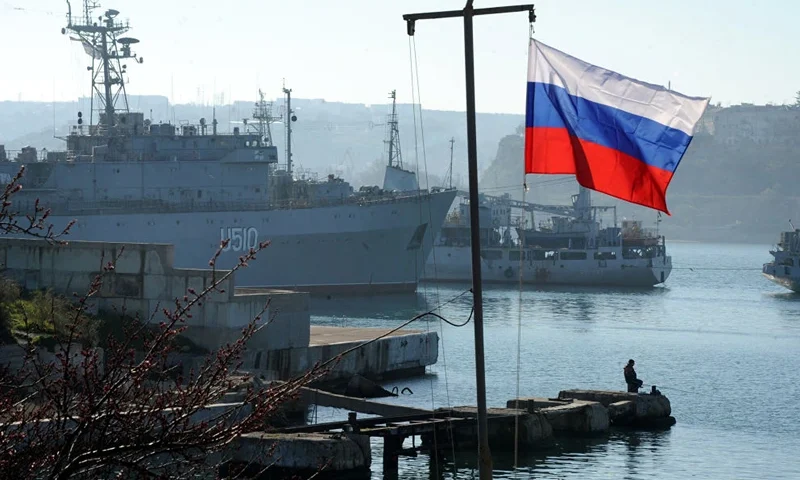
x=630, y=374
x=630, y=378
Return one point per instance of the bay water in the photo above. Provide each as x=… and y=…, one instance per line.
x=719, y=339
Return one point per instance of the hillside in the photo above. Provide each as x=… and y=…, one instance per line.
x=328, y=137
x=736, y=183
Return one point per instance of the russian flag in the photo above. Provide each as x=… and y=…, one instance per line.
x=617, y=135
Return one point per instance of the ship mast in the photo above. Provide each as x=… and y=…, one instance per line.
x=395, y=158
x=263, y=114
x=101, y=40
x=290, y=117
x=450, y=170
x=583, y=203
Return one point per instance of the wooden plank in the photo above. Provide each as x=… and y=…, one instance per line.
x=361, y=423
x=360, y=405
x=413, y=429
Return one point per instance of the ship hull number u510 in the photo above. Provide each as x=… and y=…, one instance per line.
x=241, y=238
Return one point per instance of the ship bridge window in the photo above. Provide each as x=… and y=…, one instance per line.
x=514, y=255
x=572, y=255
x=492, y=254
x=542, y=255
x=536, y=254
x=605, y=255
x=651, y=251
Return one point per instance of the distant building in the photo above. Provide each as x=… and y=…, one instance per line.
x=759, y=124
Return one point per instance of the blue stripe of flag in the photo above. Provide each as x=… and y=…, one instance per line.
x=651, y=142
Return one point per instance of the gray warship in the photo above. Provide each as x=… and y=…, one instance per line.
x=571, y=248
x=127, y=178
x=783, y=269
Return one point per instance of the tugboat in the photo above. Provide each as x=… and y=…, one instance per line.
x=784, y=269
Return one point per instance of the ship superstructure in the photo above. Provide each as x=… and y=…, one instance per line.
x=570, y=248
x=126, y=178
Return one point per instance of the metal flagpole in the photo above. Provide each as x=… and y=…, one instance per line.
x=484, y=455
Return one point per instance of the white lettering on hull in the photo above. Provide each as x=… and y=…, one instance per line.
x=241, y=238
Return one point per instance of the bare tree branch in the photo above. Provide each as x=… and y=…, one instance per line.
x=133, y=412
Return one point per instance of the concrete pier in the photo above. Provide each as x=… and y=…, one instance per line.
x=533, y=427
x=328, y=455
x=535, y=420
x=570, y=417
x=144, y=280
x=593, y=411
x=640, y=410
x=401, y=354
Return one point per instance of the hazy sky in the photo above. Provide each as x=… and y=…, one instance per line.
x=357, y=50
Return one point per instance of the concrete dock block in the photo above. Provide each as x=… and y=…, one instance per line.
x=25, y=259
x=147, y=281
x=534, y=403
x=307, y=452
x=196, y=283
x=129, y=262
x=153, y=263
x=154, y=286
x=176, y=288
x=649, y=410
x=622, y=412
x=578, y=417
x=534, y=428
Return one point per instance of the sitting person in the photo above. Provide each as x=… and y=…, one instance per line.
x=634, y=384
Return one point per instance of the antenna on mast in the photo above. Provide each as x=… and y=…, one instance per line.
x=101, y=40
x=263, y=113
x=450, y=170
x=214, y=120
x=395, y=157
x=290, y=117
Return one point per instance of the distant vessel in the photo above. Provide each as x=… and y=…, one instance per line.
x=570, y=249
x=128, y=179
x=784, y=269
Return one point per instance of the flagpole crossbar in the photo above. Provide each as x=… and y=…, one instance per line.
x=411, y=18
x=484, y=455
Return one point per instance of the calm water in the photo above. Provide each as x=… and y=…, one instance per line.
x=719, y=339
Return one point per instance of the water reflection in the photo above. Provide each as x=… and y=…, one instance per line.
x=785, y=296
x=788, y=307
x=712, y=334
x=400, y=306
x=585, y=457
x=641, y=447
x=500, y=303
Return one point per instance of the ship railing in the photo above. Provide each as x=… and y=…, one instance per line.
x=21, y=156
x=77, y=207
x=31, y=156
x=639, y=233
